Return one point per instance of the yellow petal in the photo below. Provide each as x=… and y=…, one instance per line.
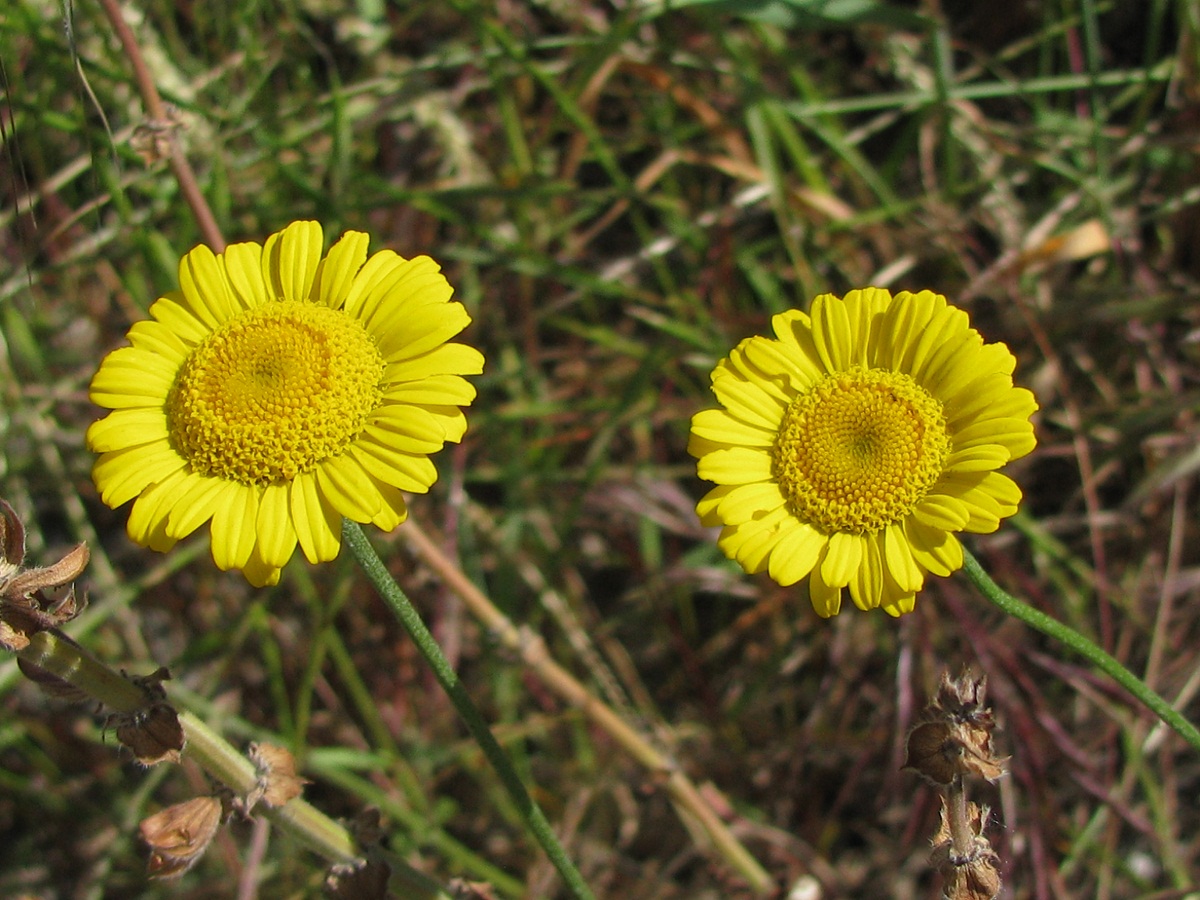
x=908, y=315
x=299, y=250
x=127, y=428
x=130, y=377
x=338, y=268
x=413, y=284
x=842, y=558
x=796, y=553
x=706, y=508
x=719, y=425
x=740, y=367
x=121, y=475
x=376, y=271
x=942, y=511
x=935, y=550
x=898, y=559
x=345, y=485
x=751, y=543
x=866, y=587
x=199, y=496
x=258, y=572
x=831, y=333
x=403, y=435
x=748, y=501
x=233, y=532
x=413, y=472
x=749, y=402
x=205, y=290
x=413, y=330
x=244, y=269
x=157, y=339
x=318, y=525
x=171, y=310
x=789, y=324
x=945, y=331
x=449, y=359
x=276, y=536
x=148, y=516
x=982, y=458
x=445, y=390
x=737, y=465
x=779, y=359
x=826, y=599
x=897, y=605
x=864, y=308
x=393, y=510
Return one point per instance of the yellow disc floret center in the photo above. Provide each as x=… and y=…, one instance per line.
x=860, y=449
x=273, y=392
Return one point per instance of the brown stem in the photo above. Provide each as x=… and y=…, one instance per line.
x=962, y=840
x=157, y=111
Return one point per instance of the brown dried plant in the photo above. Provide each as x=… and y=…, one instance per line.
x=951, y=741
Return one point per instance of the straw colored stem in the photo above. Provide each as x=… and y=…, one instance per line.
x=532, y=651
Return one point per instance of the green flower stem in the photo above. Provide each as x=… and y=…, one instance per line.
x=64, y=659
x=408, y=616
x=1081, y=645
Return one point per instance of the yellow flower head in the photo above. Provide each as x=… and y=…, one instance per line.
x=279, y=390
x=854, y=444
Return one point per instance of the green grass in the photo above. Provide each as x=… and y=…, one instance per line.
x=619, y=197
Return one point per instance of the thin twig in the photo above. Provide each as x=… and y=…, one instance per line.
x=157, y=112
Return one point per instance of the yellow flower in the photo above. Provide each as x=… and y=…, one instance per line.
x=279, y=391
x=852, y=446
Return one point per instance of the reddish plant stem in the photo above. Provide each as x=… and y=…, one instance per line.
x=157, y=112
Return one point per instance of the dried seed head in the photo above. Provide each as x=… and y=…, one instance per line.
x=953, y=734
x=179, y=835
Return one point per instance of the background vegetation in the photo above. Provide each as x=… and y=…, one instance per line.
x=620, y=192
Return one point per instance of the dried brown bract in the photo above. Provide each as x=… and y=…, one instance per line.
x=179, y=835
x=25, y=608
x=277, y=779
x=953, y=735
x=153, y=734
